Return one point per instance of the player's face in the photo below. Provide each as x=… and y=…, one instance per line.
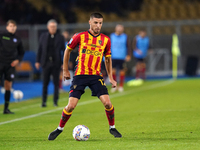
x=142, y=34
x=52, y=27
x=119, y=29
x=11, y=28
x=96, y=24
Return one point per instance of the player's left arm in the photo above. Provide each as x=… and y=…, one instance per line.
x=108, y=63
x=20, y=56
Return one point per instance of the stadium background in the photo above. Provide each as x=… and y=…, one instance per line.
x=161, y=18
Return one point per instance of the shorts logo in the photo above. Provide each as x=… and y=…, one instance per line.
x=12, y=76
x=100, y=42
x=75, y=86
x=15, y=40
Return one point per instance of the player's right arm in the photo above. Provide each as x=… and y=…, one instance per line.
x=135, y=46
x=66, y=73
x=74, y=41
x=39, y=53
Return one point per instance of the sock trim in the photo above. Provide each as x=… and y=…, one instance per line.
x=109, y=109
x=113, y=126
x=60, y=128
x=67, y=113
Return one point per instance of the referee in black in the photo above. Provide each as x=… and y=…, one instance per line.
x=49, y=57
x=11, y=53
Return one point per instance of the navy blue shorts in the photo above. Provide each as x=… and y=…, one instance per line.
x=118, y=64
x=94, y=82
x=140, y=59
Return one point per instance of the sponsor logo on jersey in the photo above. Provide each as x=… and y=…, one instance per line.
x=5, y=38
x=91, y=52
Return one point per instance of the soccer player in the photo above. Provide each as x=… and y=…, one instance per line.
x=92, y=46
x=11, y=53
x=141, y=45
x=120, y=49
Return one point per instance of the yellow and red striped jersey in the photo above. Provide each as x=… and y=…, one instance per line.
x=91, y=51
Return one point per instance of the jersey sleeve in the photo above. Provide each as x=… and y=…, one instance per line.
x=74, y=41
x=107, y=52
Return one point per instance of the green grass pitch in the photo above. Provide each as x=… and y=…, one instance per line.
x=158, y=115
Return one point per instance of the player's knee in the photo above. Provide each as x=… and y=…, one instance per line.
x=7, y=85
x=122, y=73
x=70, y=107
x=108, y=105
x=114, y=71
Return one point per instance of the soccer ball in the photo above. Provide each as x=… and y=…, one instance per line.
x=17, y=94
x=81, y=133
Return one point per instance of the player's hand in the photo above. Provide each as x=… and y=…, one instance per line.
x=139, y=51
x=66, y=75
x=15, y=63
x=128, y=58
x=114, y=83
x=37, y=65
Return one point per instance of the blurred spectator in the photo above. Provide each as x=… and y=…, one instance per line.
x=12, y=53
x=141, y=45
x=51, y=45
x=120, y=49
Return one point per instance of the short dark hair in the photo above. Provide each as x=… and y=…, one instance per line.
x=11, y=21
x=96, y=15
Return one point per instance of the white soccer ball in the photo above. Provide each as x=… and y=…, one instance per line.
x=81, y=133
x=18, y=95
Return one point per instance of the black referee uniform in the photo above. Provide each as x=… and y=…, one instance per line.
x=11, y=49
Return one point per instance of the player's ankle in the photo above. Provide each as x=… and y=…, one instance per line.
x=111, y=127
x=60, y=128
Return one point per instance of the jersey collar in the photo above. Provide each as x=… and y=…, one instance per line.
x=92, y=34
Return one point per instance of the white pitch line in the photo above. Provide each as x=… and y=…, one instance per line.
x=92, y=101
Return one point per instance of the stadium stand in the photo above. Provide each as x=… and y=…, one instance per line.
x=24, y=69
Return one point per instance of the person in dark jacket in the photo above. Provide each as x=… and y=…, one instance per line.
x=51, y=46
x=11, y=53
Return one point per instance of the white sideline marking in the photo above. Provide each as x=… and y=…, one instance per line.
x=89, y=101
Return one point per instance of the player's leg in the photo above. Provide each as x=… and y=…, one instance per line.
x=143, y=70
x=7, y=86
x=46, y=78
x=121, y=75
x=76, y=90
x=138, y=70
x=9, y=77
x=56, y=74
x=121, y=80
x=109, y=109
x=66, y=114
x=99, y=89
